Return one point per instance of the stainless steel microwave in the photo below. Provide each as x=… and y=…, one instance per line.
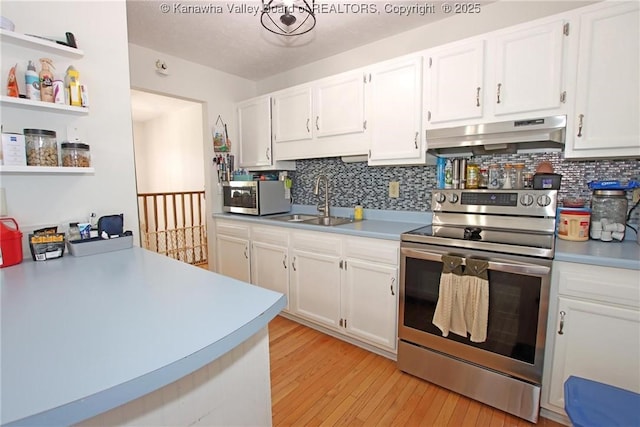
x=255, y=197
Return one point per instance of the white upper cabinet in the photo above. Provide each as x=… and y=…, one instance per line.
x=528, y=70
x=256, y=148
x=254, y=121
x=339, y=105
x=511, y=74
x=292, y=112
x=605, y=121
x=322, y=119
x=453, y=87
x=395, y=113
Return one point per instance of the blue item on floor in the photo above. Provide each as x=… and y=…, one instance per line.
x=592, y=404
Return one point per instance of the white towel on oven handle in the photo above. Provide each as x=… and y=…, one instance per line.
x=449, y=312
x=476, y=312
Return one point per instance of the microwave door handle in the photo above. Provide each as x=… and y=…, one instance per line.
x=525, y=269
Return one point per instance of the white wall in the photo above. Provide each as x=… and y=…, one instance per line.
x=101, y=32
x=492, y=17
x=217, y=91
x=169, y=151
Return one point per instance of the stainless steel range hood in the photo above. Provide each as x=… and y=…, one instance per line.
x=534, y=135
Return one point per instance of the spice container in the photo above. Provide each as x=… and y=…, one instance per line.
x=608, y=214
x=75, y=154
x=528, y=180
x=42, y=147
x=494, y=177
x=473, y=176
x=519, y=176
x=483, y=178
x=507, y=183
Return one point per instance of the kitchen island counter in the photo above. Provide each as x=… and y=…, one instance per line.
x=83, y=335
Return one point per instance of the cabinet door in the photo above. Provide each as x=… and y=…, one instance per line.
x=395, y=119
x=339, y=105
x=455, y=82
x=605, y=121
x=292, y=115
x=315, y=284
x=254, y=122
x=269, y=267
x=528, y=70
x=370, y=301
x=599, y=342
x=233, y=257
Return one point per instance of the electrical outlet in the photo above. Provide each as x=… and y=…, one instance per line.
x=636, y=195
x=394, y=189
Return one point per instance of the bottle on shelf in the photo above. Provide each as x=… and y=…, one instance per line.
x=46, y=80
x=32, y=82
x=518, y=182
x=494, y=177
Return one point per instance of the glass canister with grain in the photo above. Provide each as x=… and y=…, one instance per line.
x=42, y=147
x=75, y=154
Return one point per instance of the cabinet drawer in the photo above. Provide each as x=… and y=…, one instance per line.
x=274, y=235
x=318, y=243
x=232, y=229
x=372, y=250
x=614, y=285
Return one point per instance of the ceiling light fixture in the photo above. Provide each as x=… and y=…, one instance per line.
x=288, y=17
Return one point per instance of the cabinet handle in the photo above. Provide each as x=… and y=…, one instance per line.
x=393, y=281
x=293, y=264
x=478, y=97
x=340, y=323
x=308, y=130
x=245, y=252
x=580, y=120
x=428, y=116
x=284, y=262
x=317, y=118
x=560, y=331
x=341, y=264
x=499, y=87
x=415, y=140
x=268, y=156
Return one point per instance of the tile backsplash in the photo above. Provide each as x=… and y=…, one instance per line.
x=350, y=183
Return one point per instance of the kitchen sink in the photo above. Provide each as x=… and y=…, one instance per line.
x=328, y=220
x=294, y=217
x=313, y=219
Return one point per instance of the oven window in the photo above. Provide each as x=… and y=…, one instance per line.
x=514, y=302
x=240, y=197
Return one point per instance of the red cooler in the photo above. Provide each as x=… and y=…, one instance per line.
x=10, y=242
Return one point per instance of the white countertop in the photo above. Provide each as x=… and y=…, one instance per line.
x=81, y=335
x=625, y=254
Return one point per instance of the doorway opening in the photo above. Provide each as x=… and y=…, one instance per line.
x=167, y=136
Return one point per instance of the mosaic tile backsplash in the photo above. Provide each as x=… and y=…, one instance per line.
x=353, y=183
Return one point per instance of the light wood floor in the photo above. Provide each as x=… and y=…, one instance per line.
x=320, y=380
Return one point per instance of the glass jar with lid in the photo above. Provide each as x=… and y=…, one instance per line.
x=42, y=147
x=494, y=177
x=507, y=182
x=609, y=211
x=75, y=154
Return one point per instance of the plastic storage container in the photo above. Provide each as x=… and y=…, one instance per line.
x=608, y=214
x=75, y=154
x=10, y=242
x=592, y=404
x=42, y=147
x=574, y=225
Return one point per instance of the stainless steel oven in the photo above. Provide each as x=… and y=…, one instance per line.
x=513, y=232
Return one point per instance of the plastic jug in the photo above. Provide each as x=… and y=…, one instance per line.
x=10, y=242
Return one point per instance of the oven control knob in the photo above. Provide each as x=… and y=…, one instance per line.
x=453, y=198
x=526, y=200
x=440, y=198
x=544, y=201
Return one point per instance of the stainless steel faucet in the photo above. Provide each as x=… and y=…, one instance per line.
x=324, y=209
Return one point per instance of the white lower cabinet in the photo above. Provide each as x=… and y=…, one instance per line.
x=232, y=250
x=270, y=259
x=345, y=284
x=348, y=284
x=594, y=329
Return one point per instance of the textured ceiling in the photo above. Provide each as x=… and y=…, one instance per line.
x=229, y=37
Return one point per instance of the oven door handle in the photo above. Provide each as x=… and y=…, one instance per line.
x=526, y=269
